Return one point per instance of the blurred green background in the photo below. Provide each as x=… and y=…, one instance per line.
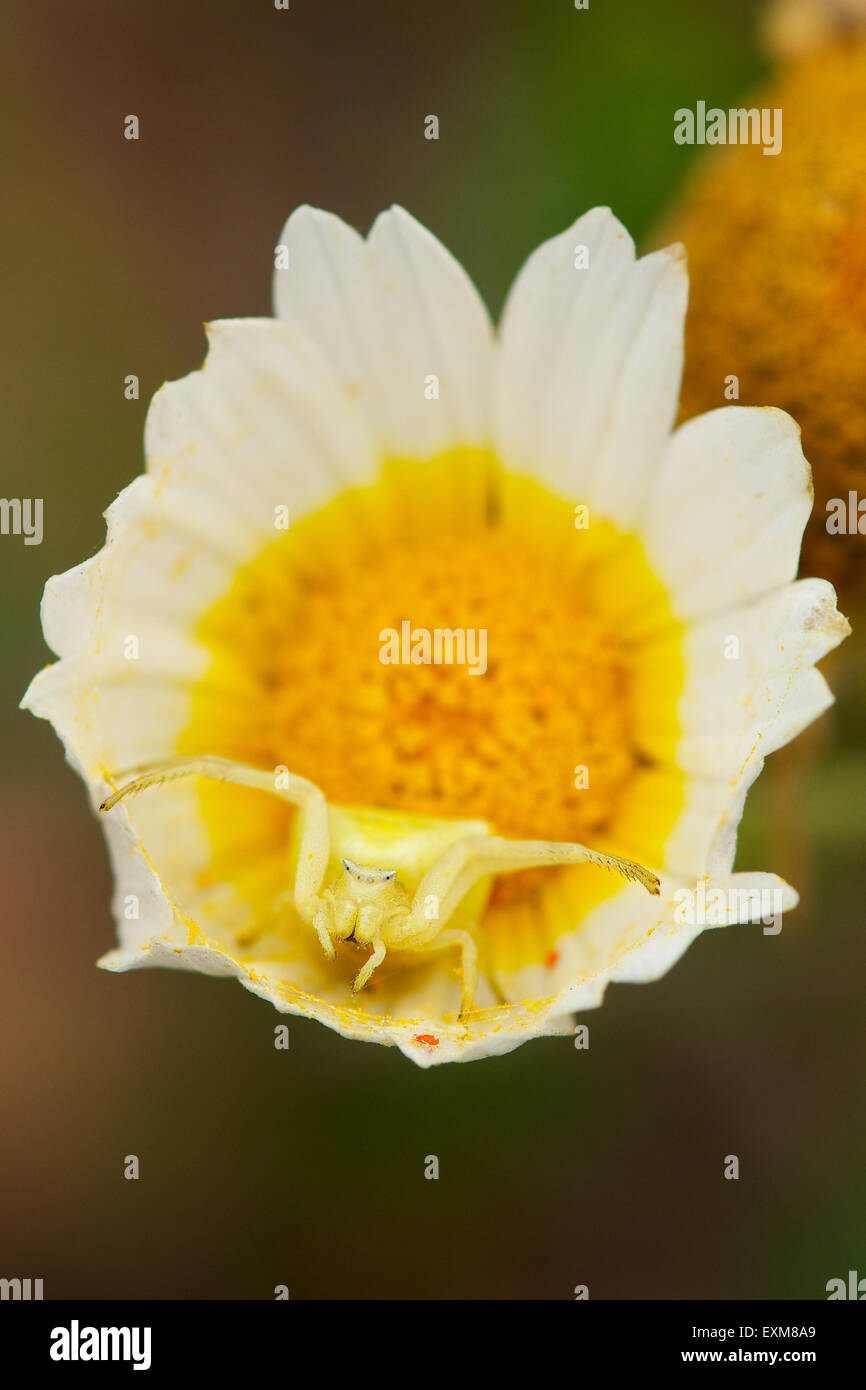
x=305, y=1167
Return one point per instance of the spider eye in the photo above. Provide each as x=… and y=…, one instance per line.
x=367, y=875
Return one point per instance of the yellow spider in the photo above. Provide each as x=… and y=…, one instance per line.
x=368, y=905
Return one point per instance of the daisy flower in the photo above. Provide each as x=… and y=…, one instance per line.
x=279, y=648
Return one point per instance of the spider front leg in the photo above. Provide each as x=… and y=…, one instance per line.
x=459, y=868
x=373, y=961
x=463, y=863
x=321, y=926
x=314, y=836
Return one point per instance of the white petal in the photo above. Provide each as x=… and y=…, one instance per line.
x=728, y=511
x=389, y=314
x=748, y=897
x=590, y=364
x=263, y=425
x=751, y=686
x=736, y=709
x=327, y=291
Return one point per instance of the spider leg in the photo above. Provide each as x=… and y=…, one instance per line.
x=373, y=961
x=315, y=840
x=468, y=963
x=463, y=863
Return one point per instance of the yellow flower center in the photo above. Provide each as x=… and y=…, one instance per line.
x=458, y=643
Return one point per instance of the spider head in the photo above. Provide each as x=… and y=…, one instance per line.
x=362, y=898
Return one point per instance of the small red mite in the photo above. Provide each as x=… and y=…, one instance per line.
x=427, y=1039
x=552, y=958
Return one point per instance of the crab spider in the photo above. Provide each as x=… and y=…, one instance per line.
x=370, y=906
